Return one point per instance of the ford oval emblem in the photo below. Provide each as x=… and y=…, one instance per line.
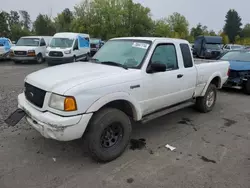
x=31, y=94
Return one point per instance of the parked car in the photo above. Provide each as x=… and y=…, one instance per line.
x=239, y=73
x=128, y=79
x=207, y=47
x=5, y=45
x=247, y=48
x=95, y=45
x=68, y=47
x=30, y=48
x=229, y=47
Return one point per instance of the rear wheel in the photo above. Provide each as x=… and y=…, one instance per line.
x=108, y=134
x=246, y=87
x=206, y=103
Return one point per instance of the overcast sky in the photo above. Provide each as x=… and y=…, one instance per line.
x=208, y=12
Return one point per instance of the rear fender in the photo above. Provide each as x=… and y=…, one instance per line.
x=216, y=74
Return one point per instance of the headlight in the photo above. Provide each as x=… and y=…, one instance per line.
x=208, y=51
x=67, y=51
x=64, y=103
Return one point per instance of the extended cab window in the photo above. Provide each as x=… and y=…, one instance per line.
x=186, y=55
x=42, y=43
x=165, y=54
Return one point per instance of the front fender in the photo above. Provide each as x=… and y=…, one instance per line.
x=117, y=96
x=216, y=74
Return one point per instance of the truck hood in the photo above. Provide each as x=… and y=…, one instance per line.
x=239, y=65
x=59, y=79
x=23, y=48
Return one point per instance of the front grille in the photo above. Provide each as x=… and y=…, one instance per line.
x=55, y=54
x=34, y=95
x=215, y=54
x=20, y=53
x=92, y=45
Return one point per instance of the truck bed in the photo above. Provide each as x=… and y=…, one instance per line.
x=200, y=61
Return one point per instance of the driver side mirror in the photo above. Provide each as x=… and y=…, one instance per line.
x=156, y=67
x=76, y=48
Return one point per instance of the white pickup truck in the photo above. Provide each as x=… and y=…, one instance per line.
x=128, y=79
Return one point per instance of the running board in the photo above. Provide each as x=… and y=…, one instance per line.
x=158, y=114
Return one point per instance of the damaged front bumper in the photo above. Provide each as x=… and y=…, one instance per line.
x=54, y=126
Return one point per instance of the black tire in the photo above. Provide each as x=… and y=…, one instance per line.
x=100, y=123
x=202, y=103
x=39, y=58
x=246, y=87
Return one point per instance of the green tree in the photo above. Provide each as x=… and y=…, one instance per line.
x=246, y=31
x=197, y=31
x=26, y=21
x=63, y=20
x=225, y=39
x=112, y=18
x=43, y=25
x=14, y=18
x=233, y=24
x=201, y=30
x=161, y=28
x=212, y=33
x=178, y=25
x=18, y=31
x=4, y=26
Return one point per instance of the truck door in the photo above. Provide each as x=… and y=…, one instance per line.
x=189, y=73
x=162, y=89
x=42, y=48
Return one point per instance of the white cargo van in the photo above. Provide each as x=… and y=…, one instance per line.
x=30, y=48
x=68, y=47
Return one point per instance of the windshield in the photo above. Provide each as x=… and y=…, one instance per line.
x=94, y=41
x=129, y=53
x=28, y=42
x=236, y=56
x=61, y=42
x=236, y=47
x=213, y=46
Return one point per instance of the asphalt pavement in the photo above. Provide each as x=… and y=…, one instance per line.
x=212, y=150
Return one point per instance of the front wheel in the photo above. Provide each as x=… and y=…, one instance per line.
x=206, y=103
x=108, y=134
x=39, y=58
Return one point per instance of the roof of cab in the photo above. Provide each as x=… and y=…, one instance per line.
x=69, y=34
x=152, y=39
x=35, y=36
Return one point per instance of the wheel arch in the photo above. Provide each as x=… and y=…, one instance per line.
x=214, y=79
x=122, y=101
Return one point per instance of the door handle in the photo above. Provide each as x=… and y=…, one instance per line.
x=179, y=75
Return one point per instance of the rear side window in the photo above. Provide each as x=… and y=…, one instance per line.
x=186, y=55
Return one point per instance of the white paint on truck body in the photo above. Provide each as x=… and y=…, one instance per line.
x=93, y=85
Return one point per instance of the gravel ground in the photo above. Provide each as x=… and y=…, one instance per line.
x=212, y=149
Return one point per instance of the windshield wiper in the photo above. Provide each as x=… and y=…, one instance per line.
x=114, y=64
